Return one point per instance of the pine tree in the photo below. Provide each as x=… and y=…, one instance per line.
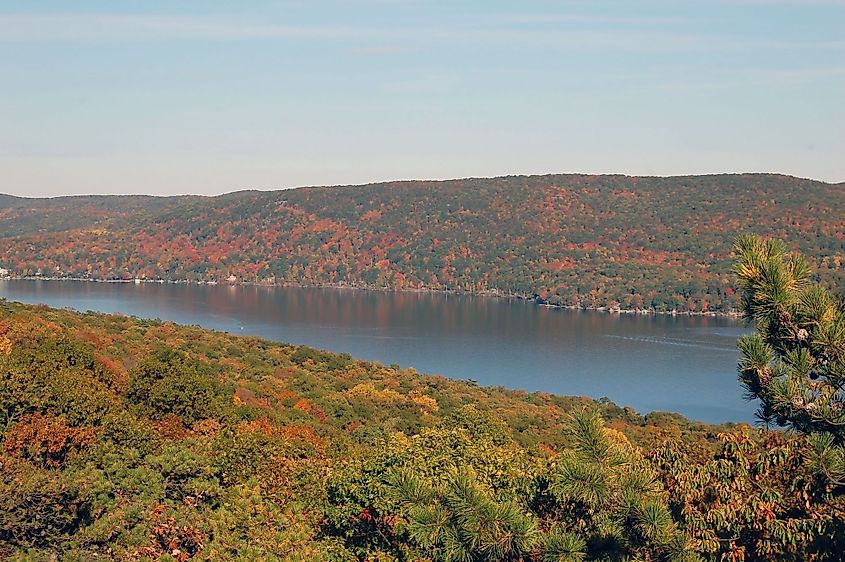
x=458, y=520
x=610, y=504
x=794, y=363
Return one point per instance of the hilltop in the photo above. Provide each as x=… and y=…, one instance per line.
x=574, y=240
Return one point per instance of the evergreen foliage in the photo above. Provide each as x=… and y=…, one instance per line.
x=605, y=492
x=795, y=362
x=457, y=520
x=125, y=439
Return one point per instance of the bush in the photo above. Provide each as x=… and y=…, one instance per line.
x=169, y=384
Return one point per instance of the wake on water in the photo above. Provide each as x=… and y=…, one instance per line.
x=664, y=340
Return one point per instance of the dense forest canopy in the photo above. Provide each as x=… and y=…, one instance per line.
x=128, y=439
x=575, y=240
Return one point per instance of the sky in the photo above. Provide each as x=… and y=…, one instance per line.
x=207, y=97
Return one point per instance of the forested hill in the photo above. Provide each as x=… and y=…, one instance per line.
x=661, y=243
x=125, y=439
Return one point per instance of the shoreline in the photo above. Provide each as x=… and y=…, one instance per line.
x=487, y=294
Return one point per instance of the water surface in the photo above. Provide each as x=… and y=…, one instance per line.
x=680, y=364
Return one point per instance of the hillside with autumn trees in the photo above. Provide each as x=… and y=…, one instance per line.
x=573, y=240
x=128, y=439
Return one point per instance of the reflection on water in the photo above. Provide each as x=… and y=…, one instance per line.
x=682, y=364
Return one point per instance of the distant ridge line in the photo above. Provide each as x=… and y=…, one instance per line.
x=611, y=242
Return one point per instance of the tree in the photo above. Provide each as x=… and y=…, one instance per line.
x=794, y=363
x=605, y=502
x=169, y=383
x=758, y=498
x=38, y=507
x=458, y=520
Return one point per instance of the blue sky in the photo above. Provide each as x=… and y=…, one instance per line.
x=208, y=97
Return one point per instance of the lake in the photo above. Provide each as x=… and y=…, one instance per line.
x=674, y=363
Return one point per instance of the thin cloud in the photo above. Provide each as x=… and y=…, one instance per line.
x=587, y=19
x=62, y=27
x=796, y=3
x=794, y=76
x=383, y=51
x=115, y=27
x=627, y=40
x=731, y=80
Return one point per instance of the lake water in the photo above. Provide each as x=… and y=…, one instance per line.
x=679, y=364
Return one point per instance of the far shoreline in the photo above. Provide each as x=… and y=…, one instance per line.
x=486, y=294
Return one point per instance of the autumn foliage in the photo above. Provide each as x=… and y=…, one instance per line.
x=46, y=440
x=573, y=240
x=128, y=439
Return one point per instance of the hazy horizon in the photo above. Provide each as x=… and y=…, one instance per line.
x=229, y=192
x=168, y=98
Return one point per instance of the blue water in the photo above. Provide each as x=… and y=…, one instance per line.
x=679, y=364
